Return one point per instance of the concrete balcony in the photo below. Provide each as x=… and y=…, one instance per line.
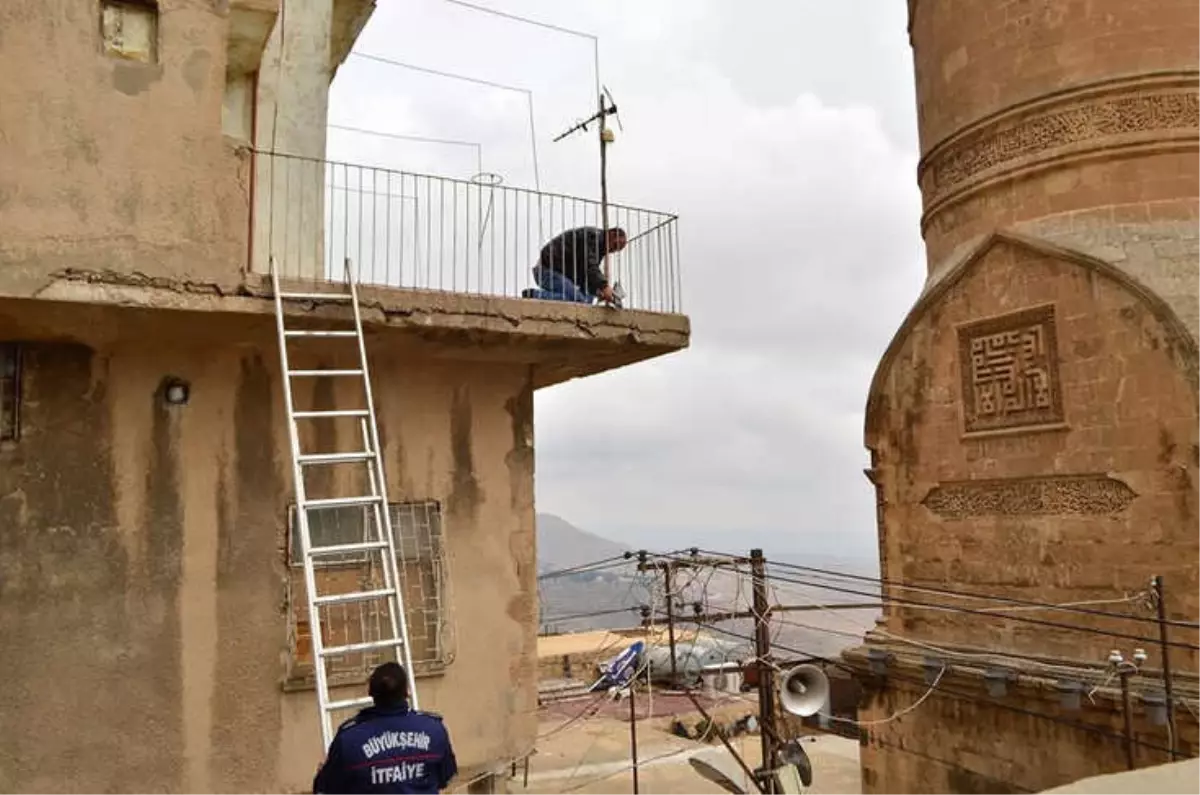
x=441, y=264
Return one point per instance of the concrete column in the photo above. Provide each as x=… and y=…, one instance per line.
x=293, y=104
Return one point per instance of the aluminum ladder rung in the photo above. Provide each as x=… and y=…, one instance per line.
x=370, y=645
x=340, y=502
x=350, y=597
x=341, y=549
x=335, y=458
x=316, y=415
x=388, y=590
x=316, y=296
x=349, y=703
x=324, y=332
x=323, y=373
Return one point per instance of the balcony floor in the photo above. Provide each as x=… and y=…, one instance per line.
x=560, y=340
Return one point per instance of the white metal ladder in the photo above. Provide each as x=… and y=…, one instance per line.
x=378, y=540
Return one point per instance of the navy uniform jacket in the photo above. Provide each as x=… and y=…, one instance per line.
x=388, y=749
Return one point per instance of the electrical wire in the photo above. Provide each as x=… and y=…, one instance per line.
x=421, y=139
x=557, y=28
x=592, y=614
x=537, y=178
x=948, y=608
x=1077, y=607
x=595, y=565
x=968, y=697
x=975, y=611
x=899, y=714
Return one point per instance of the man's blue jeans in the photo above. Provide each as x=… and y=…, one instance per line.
x=553, y=286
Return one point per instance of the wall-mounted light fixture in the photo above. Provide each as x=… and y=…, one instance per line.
x=1156, y=708
x=1069, y=691
x=878, y=660
x=176, y=391
x=997, y=681
x=933, y=669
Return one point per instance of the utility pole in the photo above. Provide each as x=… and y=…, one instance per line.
x=667, y=578
x=1156, y=585
x=1124, y=670
x=668, y=568
x=633, y=735
x=762, y=654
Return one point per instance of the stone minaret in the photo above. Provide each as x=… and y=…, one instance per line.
x=1033, y=424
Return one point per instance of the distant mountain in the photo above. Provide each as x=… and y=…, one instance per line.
x=568, y=602
x=611, y=596
x=561, y=545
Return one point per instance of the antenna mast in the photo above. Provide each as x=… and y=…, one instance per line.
x=606, y=107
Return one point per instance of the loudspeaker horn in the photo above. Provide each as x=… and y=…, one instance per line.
x=803, y=690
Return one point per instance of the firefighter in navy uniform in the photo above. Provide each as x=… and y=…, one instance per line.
x=388, y=747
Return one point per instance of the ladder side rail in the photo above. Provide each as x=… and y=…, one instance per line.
x=390, y=550
x=394, y=601
x=310, y=584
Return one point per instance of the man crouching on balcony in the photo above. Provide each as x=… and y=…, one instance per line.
x=569, y=267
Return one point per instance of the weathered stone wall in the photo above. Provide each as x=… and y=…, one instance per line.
x=1059, y=120
x=963, y=744
x=142, y=551
x=1033, y=424
x=1047, y=453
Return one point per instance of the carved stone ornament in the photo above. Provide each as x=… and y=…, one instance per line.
x=1052, y=495
x=1009, y=370
x=1105, y=116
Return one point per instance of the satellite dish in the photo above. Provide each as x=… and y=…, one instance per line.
x=803, y=690
x=715, y=776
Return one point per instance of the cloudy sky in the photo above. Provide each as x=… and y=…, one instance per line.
x=783, y=134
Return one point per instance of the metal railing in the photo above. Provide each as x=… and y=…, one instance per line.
x=420, y=232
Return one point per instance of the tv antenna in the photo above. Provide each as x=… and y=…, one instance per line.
x=606, y=106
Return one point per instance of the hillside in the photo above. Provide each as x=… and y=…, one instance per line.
x=561, y=545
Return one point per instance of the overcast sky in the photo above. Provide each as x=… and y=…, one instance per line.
x=783, y=134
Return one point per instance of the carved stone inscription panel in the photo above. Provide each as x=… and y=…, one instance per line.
x=1009, y=370
x=1053, y=495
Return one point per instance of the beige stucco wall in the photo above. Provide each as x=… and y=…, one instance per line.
x=141, y=552
x=111, y=164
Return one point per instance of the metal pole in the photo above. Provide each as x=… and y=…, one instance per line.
x=633, y=737
x=762, y=652
x=721, y=736
x=1156, y=583
x=667, y=571
x=1128, y=719
x=604, y=182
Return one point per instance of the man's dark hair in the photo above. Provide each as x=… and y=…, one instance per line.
x=389, y=685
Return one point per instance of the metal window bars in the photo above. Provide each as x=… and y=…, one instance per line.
x=420, y=232
x=424, y=582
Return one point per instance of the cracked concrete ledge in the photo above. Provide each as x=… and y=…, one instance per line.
x=570, y=340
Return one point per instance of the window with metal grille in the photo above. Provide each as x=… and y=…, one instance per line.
x=424, y=581
x=129, y=29
x=10, y=392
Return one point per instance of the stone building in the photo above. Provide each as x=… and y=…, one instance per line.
x=156, y=156
x=1033, y=424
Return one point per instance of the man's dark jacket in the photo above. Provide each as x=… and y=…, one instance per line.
x=577, y=254
x=388, y=749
